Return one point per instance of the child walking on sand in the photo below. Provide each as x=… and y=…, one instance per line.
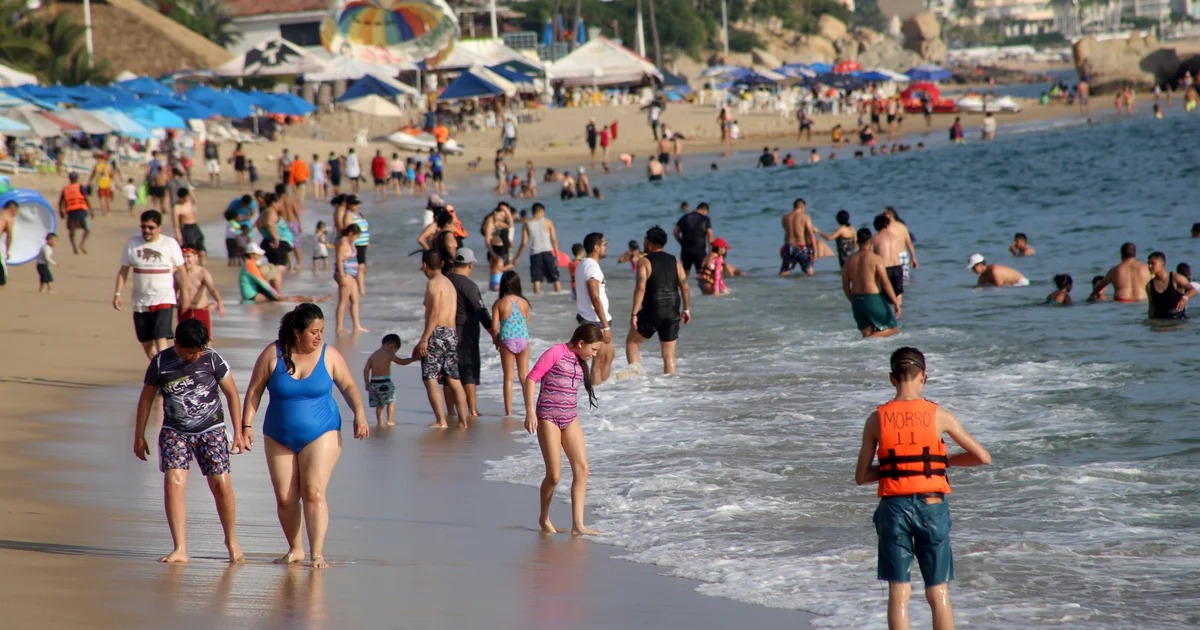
x=377, y=374
x=554, y=419
x=44, y=260
x=131, y=195
x=189, y=375
x=320, y=248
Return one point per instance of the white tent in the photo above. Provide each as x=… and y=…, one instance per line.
x=490, y=52
x=10, y=77
x=374, y=105
x=602, y=62
x=341, y=68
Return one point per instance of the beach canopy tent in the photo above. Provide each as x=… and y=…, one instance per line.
x=11, y=77
x=603, y=62
x=346, y=69
x=9, y=126
x=750, y=76
x=379, y=86
x=374, y=105
x=486, y=52
x=10, y=100
x=276, y=56
x=820, y=67
x=718, y=71
x=284, y=104
x=477, y=82
x=881, y=74
x=796, y=71
x=928, y=72
x=144, y=86
x=524, y=82
x=524, y=66
x=840, y=81
x=39, y=126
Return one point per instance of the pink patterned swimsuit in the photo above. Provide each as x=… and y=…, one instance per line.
x=561, y=374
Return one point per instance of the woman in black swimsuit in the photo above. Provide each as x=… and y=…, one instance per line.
x=239, y=164
x=843, y=237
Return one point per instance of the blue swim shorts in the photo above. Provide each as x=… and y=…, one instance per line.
x=909, y=526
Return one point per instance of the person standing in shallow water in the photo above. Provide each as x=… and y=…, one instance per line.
x=555, y=419
x=302, y=429
x=865, y=284
x=913, y=516
x=189, y=376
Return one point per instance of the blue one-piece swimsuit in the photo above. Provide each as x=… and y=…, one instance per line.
x=300, y=410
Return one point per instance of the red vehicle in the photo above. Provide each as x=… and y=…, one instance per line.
x=913, y=96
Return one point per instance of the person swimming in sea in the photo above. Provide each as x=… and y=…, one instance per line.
x=1062, y=291
x=843, y=237
x=1097, y=295
x=1020, y=245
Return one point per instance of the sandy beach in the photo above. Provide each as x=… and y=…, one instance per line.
x=418, y=539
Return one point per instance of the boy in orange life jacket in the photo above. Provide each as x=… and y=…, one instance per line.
x=913, y=517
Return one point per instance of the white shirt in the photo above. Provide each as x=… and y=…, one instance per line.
x=46, y=255
x=131, y=191
x=353, y=169
x=153, y=265
x=510, y=130
x=588, y=269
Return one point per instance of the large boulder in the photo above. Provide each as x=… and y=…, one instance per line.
x=831, y=28
x=1112, y=64
x=887, y=53
x=923, y=35
x=868, y=37
x=764, y=58
x=814, y=48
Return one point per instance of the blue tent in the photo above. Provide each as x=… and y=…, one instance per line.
x=929, y=72
x=370, y=84
x=144, y=85
x=469, y=85
x=122, y=101
x=512, y=75
x=748, y=76
x=820, y=67
x=24, y=93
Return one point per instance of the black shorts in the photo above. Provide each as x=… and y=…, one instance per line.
x=896, y=275
x=193, y=237
x=158, y=192
x=153, y=325
x=543, y=267
x=278, y=254
x=231, y=249
x=664, y=158
x=468, y=361
x=397, y=176
x=44, y=275
x=78, y=220
x=360, y=253
x=335, y=180
x=690, y=258
x=437, y=176
x=650, y=323
x=380, y=181
x=498, y=251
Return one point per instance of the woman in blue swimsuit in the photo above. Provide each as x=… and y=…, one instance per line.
x=302, y=426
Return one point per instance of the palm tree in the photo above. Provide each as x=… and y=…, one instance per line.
x=212, y=19
x=17, y=48
x=67, y=61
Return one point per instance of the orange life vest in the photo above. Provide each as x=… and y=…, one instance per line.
x=456, y=227
x=73, y=197
x=912, y=455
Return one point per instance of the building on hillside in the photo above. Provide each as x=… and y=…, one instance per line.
x=298, y=21
x=132, y=36
x=1148, y=9
x=1019, y=17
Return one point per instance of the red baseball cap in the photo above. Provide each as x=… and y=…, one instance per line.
x=720, y=242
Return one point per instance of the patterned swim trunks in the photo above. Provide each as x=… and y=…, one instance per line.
x=381, y=393
x=792, y=256
x=211, y=450
x=441, y=357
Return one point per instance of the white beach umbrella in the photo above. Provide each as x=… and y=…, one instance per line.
x=88, y=122
x=39, y=126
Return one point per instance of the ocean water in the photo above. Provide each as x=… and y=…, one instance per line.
x=738, y=472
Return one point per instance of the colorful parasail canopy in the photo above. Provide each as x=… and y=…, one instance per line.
x=390, y=31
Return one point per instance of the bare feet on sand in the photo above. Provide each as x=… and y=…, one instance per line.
x=583, y=530
x=295, y=556
x=547, y=527
x=235, y=554
x=360, y=329
x=439, y=425
x=318, y=562
x=178, y=556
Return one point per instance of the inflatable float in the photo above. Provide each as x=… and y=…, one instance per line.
x=35, y=219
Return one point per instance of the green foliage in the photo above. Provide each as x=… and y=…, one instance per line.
x=210, y=18
x=743, y=41
x=867, y=14
x=53, y=49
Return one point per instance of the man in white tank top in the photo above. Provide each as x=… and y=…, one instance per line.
x=543, y=249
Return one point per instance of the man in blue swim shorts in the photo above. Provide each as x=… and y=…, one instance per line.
x=913, y=516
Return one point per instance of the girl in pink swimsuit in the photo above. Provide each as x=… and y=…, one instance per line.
x=561, y=370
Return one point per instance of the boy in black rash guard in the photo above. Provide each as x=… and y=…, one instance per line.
x=189, y=375
x=693, y=232
x=660, y=290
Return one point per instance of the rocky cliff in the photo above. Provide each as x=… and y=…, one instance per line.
x=1112, y=64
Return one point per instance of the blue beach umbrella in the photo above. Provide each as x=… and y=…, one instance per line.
x=155, y=117
x=226, y=104
x=123, y=124
x=820, y=67
x=287, y=105
x=145, y=86
x=929, y=72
